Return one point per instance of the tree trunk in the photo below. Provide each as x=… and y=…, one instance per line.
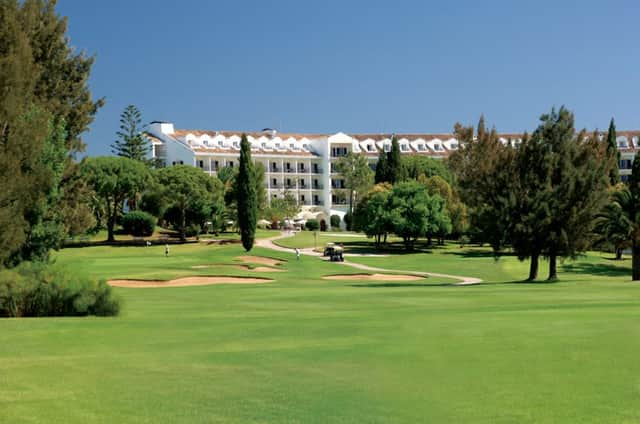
x=111, y=219
x=533, y=267
x=618, y=253
x=183, y=225
x=350, y=204
x=553, y=272
x=635, y=261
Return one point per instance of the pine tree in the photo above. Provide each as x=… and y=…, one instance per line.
x=246, y=196
x=613, y=154
x=394, y=162
x=382, y=168
x=131, y=143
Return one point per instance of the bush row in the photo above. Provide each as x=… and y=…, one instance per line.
x=38, y=290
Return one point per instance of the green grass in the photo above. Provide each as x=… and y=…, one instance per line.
x=303, y=349
x=304, y=239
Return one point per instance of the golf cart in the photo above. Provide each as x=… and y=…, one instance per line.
x=334, y=252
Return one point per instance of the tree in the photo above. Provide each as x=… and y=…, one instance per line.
x=484, y=171
x=577, y=182
x=382, y=168
x=131, y=143
x=394, y=162
x=246, y=196
x=44, y=107
x=415, y=165
x=282, y=208
x=114, y=179
x=631, y=205
x=190, y=192
x=614, y=223
x=613, y=155
x=414, y=213
x=454, y=208
x=372, y=214
x=358, y=177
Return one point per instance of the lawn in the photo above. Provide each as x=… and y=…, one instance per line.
x=303, y=349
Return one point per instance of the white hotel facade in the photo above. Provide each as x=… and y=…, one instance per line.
x=302, y=164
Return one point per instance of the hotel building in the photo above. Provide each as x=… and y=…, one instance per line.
x=303, y=164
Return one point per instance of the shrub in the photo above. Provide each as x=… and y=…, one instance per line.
x=192, y=230
x=138, y=223
x=37, y=290
x=335, y=222
x=312, y=225
x=348, y=218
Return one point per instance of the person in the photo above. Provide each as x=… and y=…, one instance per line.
x=166, y=250
x=297, y=254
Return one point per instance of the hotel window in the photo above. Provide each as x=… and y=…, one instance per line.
x=181, y=163
x=274, y=167
x=275, y=182
x=216, y=164
x=315, y=168
x=302, y=167
x=421, y=147
x=305, y=146
x=201, y=164
x=404, y=147
x=454, y=146
x=369, y=147
x=387, y=148
x=230, y=164
x=437, y=147
x=301, y=183
x=302, y=198
x=264, y=145
x=277, y=145
x=220, y=143
x=236, y=144
x=292, y=147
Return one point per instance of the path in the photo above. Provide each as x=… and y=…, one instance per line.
x=269, y=244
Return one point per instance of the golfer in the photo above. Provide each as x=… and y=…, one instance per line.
x=297, y=254
x=166, y=250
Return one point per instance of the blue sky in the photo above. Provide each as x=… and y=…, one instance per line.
x=359, y=66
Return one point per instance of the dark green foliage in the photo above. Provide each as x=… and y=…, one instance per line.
x=246, y=196
x=335, y=221
x=414, y=166
x=114, y=179
x=44, y=107
x=394, y=163
x=372, y=214
x=614, y=224
x=414, y=213
x=348, y=220
x=631, y=207
x=382, y=168
x=38, y=290
x=613, y=155
x=131, y=143
x=138, y=223
x=312, y=225
x=484, y=171
x=190, y=194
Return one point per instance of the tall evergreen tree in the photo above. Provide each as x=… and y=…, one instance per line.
x=633, y=211
x=131, y=143
x=613, y=155
x=382, y=168
x=246, y=196
x=394, y=162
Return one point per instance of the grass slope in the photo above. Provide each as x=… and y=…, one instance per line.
x=302, y=349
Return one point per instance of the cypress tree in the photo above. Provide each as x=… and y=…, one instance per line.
x=382, y=168
x=246, y=196
x=394, y=162
x=613, y=154
x=634, y=215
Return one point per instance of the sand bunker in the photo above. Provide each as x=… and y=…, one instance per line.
x=187, y=281
x=260, y=260
x=241, y=267
x=373, y=277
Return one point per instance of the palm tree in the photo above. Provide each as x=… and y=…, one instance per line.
x=614, y=223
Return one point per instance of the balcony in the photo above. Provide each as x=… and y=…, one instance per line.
x=317, y=187
x=318, y=203
x=275, y=169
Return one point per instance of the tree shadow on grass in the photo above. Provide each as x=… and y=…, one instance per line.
x=596, y=269
x=478, y=254
x=400, y=285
